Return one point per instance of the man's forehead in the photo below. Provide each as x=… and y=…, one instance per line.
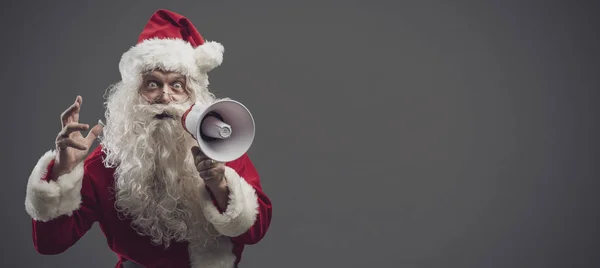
x=163, y=74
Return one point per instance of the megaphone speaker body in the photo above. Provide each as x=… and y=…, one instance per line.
x=224, y=130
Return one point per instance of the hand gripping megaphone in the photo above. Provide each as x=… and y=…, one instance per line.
x=224, y=130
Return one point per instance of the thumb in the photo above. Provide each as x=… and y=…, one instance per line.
x=94, y=133
x=195, y=150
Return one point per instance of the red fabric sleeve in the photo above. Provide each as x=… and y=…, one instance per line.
x=259, y=229
x=244, y=167
x=59, y=234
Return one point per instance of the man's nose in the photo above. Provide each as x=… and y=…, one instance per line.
x=165, y=97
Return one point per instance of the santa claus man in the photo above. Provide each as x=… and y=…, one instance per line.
x=158, y=199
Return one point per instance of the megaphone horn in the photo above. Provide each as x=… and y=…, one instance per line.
x=224, y=130
x=212, y=126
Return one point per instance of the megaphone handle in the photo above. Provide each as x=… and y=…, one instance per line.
x=209, y=114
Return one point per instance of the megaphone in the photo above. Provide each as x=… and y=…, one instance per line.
x=224, y=130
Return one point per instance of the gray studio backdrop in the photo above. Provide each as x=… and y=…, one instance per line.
x=389, y=133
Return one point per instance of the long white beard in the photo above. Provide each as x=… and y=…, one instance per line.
x=157, y=184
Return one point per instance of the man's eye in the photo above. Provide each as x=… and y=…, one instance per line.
x=178, y=85
x=152, y=85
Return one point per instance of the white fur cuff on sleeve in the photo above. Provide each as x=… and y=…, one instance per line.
x=241, y=211
x=46, y=200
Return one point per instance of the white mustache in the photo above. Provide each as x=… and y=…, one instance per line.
x=174, y=110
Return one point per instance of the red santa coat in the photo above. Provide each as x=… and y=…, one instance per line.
x=64, y=210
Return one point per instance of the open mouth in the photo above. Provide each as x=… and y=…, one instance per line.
x=163, y=116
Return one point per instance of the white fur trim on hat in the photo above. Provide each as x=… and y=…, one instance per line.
x=174, y=55
x=209, y=55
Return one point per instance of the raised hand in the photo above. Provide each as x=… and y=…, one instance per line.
x=71, y=145
x=212, y=172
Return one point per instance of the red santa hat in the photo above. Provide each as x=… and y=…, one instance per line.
x=170, y=42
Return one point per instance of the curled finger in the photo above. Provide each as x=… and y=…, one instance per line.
x=72, y=127
x=213, y=173
x=210, y=164
x=208, y=174
x=199, y=159
x=204, y=165
x=64, y=117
